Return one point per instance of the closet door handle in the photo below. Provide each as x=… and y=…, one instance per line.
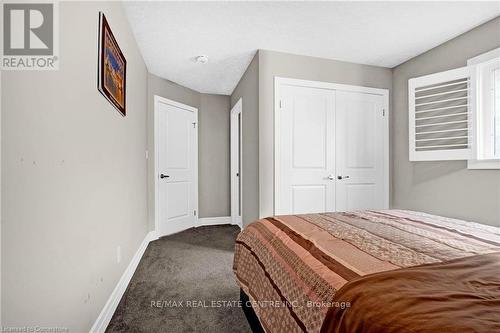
x=330, y=177
x=164, y=176
x=342, y=177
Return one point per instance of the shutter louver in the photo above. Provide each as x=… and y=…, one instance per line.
x=440, y=117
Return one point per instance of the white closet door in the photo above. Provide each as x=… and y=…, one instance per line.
x=307, y=150
x=360, y=151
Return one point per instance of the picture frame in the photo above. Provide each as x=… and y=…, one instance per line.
x=112, y=67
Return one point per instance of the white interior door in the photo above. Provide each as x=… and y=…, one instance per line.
x=176, y=166
x=307, y=149
x=361, y=151
x=236, y=162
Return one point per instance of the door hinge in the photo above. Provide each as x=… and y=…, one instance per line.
x=195, y=213
x=281, y=105
x=194, y=125
x=383, y=112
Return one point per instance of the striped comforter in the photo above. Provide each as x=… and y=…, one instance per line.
x=291, y=266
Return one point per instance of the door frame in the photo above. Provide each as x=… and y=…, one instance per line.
x=157, y=100
x=279, y=82
x=236, y=191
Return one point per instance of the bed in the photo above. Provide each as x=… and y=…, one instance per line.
x=311, y=273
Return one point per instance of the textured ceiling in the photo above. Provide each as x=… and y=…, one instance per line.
x=171, y=34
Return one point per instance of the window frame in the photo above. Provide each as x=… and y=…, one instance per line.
x=479, y=162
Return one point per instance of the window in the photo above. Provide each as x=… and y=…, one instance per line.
x=440, y=116
x=487, y=108
x=455, y=115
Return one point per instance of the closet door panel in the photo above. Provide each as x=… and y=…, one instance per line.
x=359, y=151
x=306, y=150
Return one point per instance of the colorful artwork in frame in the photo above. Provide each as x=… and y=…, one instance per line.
x=112, y=67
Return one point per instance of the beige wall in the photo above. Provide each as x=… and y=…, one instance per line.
x=273, y=64
x=74, y=178
x=248, y=90
x=214, y=161
x=213, y=146
x=445, y=188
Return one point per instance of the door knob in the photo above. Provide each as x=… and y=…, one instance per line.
x=330, y=177
x=342, y=177
x=164, y=176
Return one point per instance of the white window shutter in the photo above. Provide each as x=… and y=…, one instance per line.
x=440, y=115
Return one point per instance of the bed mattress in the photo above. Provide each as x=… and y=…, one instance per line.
x=292, y=266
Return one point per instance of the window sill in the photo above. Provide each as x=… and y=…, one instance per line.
x=483, y=164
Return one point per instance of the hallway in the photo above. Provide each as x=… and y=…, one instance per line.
x=192, y=266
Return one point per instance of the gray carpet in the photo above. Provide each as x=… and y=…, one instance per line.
x=194, y=265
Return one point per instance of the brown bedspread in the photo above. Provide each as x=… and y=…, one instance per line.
x=462, y=295
x=292, y=266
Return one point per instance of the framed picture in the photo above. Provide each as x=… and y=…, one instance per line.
x=112, y=74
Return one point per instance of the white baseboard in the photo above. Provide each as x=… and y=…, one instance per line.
x=107, y=312
x=204, y=221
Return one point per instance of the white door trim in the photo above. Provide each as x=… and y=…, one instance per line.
x=281, y=81
x=0, y=197
x=158, y=99
x=236, y=200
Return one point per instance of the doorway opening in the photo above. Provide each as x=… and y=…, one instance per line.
x=236, y=122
